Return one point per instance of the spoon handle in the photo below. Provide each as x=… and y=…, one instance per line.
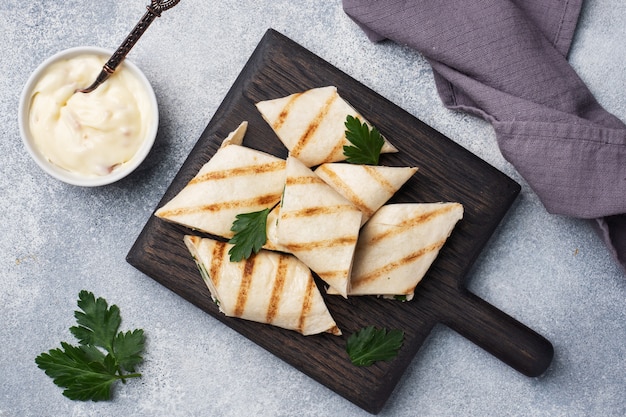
x=153, y=11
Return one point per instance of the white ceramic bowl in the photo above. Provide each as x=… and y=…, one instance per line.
x=71, y=177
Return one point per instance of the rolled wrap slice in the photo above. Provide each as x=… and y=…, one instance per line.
x=269, y=287
x=368, y=187
x=235, y=180
x=318, y=225
x=398, y=245
x=311, y=124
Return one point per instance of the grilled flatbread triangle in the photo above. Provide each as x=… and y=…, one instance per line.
x=368, y=187
x=269, y=287
x=398, y=245
x=235, y=180
x=318, y=225
x=311, y=124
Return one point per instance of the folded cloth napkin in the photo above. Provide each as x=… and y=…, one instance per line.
x=506, y=61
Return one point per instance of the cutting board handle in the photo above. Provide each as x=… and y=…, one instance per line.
x=501, y=335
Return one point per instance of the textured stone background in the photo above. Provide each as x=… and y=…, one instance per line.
x=551, y=273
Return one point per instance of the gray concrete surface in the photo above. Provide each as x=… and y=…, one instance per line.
x=550, y=272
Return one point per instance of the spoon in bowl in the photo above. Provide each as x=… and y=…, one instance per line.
x=154, y=10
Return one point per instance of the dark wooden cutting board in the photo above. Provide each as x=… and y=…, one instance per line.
x=447, y=172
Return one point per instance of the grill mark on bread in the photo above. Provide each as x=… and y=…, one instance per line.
x=277, y=290
x=316, y=211
x=309, y=246
x=280, y=120
x=334, y=331
x=346, y=191
x=314, y=124
x=262, y=200
x=239, y=172
x=195, y=240
x=336, y=152
x=412, y=222
x=307, y=303
x=332, y=274
x=391, y=266
x=219, y=251
x=244, y=286
x=380, y=179
x=304, y=180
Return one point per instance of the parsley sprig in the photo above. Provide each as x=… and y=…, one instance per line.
x=103, y=356
x=370, y=344
x=250, y=234
x=366, y=144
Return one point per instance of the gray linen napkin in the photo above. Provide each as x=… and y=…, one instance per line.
x=506, y=61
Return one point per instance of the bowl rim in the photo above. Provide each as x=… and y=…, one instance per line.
x=60, y=173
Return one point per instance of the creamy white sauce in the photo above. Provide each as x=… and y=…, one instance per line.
x=88, y=134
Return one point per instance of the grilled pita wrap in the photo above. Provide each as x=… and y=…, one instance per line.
x=311, y=124
x=318, y=225
x=235, y=180
x=398, y=245
x=269, y=287
x=368, y=187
